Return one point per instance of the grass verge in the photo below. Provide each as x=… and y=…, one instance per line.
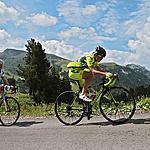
x=29, y=109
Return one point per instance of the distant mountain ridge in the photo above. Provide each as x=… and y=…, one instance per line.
x=13, y=57
x=130, y=75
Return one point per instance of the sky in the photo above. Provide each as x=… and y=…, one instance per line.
x=72, y=28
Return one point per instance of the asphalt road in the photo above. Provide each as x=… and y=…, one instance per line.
x=96, y=134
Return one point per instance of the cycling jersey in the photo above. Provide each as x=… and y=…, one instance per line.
x=76, y=69
x=89, y=60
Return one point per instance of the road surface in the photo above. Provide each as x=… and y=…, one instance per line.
x=95, y=134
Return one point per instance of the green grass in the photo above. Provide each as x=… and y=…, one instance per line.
x=143, y=104
x=29, y=109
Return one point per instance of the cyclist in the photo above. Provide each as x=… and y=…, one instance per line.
x=86, y=69
x=3, y=79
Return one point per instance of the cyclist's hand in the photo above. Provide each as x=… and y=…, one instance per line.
x=7, y=87
x=109, y=75
x=10, y=87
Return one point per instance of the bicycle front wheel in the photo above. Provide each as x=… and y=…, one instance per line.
x=9, y=111
x=117, y=105
x=69, y=108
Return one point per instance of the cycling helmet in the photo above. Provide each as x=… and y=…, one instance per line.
x=100, y=51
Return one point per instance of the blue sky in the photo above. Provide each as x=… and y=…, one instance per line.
x=71, y=28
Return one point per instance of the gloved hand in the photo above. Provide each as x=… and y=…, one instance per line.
x=109, y=75
x=8, y=87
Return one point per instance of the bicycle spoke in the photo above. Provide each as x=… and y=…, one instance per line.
x=68, y=109
x=9, y=111
x=117, y=105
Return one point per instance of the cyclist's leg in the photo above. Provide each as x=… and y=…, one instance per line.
x=1, y=87
x=88, y=77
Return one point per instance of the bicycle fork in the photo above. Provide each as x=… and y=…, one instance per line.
x=6, y=106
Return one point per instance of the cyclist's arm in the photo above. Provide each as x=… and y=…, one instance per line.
x=98, y=72
x=99, y=69
x=5, y=80
x=93, y=68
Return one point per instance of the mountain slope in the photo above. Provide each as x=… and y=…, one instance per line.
x=130, y=76
x=13, y=57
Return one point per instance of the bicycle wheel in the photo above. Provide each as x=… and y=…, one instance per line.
x=117, y=105
x=9, y=111
x=69, y=108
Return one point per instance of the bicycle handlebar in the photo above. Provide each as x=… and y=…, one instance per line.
x=111, y=80
x=13, y=89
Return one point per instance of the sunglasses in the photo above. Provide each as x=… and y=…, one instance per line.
x=101, y=56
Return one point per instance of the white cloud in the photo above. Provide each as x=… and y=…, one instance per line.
x=86, y=34
x=74, y=14
x=42, y=19
x=7, y=41
x=16, y=43
x=4, y=35
x=109, y=23
x=7, y=13
x=140, y=45
x=116, y=56
x=124, y=58
x=65, y=50
x=60, y=48
x=89, y=9
x=21, y=22
x=69, y=8
x=80, y=18
x=138, y=18
x=138, y=27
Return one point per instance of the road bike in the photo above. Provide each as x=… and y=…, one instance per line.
x=116, y=104
x=9, y=107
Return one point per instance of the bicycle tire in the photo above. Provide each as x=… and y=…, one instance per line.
x=117, y=105
x=69, y=108
x=9, y=117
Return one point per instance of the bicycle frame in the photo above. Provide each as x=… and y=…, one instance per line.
x=98, y=94
x=3, y=99
x=105, y=86
x=110, y=105
x=4, y=95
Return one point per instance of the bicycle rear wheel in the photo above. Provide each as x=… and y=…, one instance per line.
x=69, y=108
x=117, y=105
x=9, y=111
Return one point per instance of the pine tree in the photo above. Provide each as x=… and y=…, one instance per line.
x=43, y=80
x=35, y=71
